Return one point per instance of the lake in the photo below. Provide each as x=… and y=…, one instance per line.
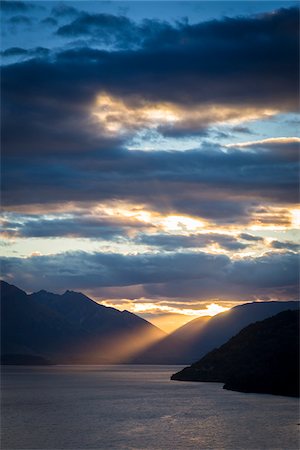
x=137, y=407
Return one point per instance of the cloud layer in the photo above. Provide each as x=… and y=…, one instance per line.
x=185, y=275
x=81, y=118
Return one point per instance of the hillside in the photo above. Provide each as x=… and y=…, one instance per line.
x=70, y=328
x=192, y=341
x=262, y=358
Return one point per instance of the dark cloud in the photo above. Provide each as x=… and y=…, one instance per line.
x=20, y=20
x=64, y=10
x=191, y=129
x=216, y=36
x=109, y=29
x=240, y=129
x=56, y=151
x=224, y=187
x=250, y=237
x=229, y=61
x=110, y=269
x=46, y=100
x=275, y=276
x=274, y=146
x=173, y=242
x=39, y=52
x=53, y=151
x=22, y=53
x=285, y=246
x=9, y=6
x=189, y=275
x=74, y=225
x=49, y=21
x=283, y=271
x=14, y=51
x=253, y=63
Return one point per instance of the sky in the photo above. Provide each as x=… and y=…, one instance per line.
x=150, y=153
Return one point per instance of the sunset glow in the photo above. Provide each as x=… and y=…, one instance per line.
x=151, y=154
x=295, y=218
x=117, y=115
x=150, y=225
x=164, y=316
x=181, y=223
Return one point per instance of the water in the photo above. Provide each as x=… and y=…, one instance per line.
x=137, y=407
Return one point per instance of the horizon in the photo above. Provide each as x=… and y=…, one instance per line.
x=168, y=327
x=150, y=153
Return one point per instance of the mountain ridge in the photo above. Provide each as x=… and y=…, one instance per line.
x=186, y=345
x=262, y=358
x=69, y=327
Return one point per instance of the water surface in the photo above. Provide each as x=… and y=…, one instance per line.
x=137, y=407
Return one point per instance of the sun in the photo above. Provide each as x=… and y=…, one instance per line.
x=181, y=223
x=213, y=309
x=295, y=213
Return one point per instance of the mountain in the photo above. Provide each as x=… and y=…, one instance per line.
x=73, y=328
x=70, y=328
x=188, y=343
x=262, y=358
x=24, y=360
x=31, y=328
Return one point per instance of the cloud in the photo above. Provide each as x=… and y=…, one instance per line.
x=253, y=62
x=205, y=78
x=283, y=270
x=241, y=129
x=257, y=49
x=220, y=186
x=224, y=70
x=9, y=6
x=292, y=246
x=20, y=20
x=250, y=237
x=48, y=99
x=109, y=29
x=69, y=225
x=14, y=51
x=49, y=21
x=37, y=52
x=186, y=275
x=174, y=242
x=288, y=147
x=64, y=10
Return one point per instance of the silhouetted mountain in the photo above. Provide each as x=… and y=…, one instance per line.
x=70, y=328
x=78, y=309
x=28, y=327
x=262, y=358
x=24, y=360
x=187, y=344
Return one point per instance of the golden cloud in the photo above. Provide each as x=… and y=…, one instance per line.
x=269, y=141
x=119, y=116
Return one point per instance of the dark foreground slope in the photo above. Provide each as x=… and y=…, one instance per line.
x=69, y=328
x=192, y=341
x=262, y=358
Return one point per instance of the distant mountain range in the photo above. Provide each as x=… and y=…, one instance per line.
x=262, y=358
x=72, y=328
x=69, y=328
x=192, y=341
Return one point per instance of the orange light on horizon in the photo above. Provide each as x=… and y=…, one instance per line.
x=168, y=318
